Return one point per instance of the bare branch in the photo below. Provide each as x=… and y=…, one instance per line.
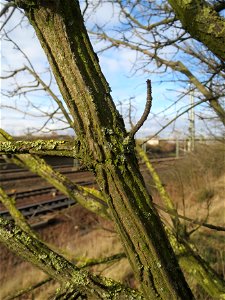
x=140, y=40
x=6, y=7
x=201, y=223
x=8, y=18
x=29, y=289
x=146, y=112
x=13, y=73
x=219, y=6
x=57, y=267
x=53, y=95
x=97, y=261
x=86, y=7
x=208, y=26
x=20, y=50
x=46, y=147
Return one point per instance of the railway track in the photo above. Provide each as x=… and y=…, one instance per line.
x=41, y=207
x=22, y=174
x=42, y=191
x=17, y=169
x=33, y=192
x=51, y=199
x=19, y=174
x=37, y=209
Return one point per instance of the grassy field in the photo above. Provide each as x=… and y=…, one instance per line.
x=196, y=183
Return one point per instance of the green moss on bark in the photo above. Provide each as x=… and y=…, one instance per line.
x=57, y=267
x=203, y=23
x=10, y=204
x=103, y=145
x=41, y=147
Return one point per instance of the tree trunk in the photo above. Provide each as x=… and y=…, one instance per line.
x=105, y=147
x=88, y=198
x=203, y=23
x=186, y=252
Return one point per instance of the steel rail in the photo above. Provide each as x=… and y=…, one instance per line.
x=41, y=207
x=37, y=209
x=26, y=174
x=17, y=169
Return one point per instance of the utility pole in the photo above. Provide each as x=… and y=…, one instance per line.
x=191, y=115
x=177, y=147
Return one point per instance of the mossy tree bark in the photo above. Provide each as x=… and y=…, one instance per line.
x=71, y=278
x=105, y=147
x=203, y=23
x=177, y=66
x=88, y=198
x=41, y=147
x=93, y=200
x=20, y=220
x=186, y=252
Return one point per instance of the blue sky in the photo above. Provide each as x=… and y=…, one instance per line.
x=116, y=66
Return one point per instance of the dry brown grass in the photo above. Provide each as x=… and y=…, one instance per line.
x=77, y=235
x=197, y=185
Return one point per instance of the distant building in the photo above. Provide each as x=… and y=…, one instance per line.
x=153, y=141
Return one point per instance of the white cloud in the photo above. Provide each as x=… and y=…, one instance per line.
x=116, y=65
x=103, y=14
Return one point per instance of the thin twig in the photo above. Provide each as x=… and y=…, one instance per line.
x=29, y=289
x=85, y=8
x=211, y=226
x=5, y=8
x=174, y=119
x=8, y=18
x=13, y=73
x=104, y=260
x=146, y=112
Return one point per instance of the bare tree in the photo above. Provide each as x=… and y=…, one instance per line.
x=104, y=146
x=162, y=45
x=54, y=112
x=164, y=40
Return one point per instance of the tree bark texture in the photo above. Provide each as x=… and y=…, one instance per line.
x=71, y=278
x=20, y=220
x=105, y=147
x=88, y=198
x=185, y=251
x=40, y=147
x=188, y=259
x=203, y=23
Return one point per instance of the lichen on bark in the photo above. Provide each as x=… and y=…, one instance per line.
x=41, y=147
x=18, y=217
x=90, y=199
x=203, y=23
x=57, y=267
x=102, y=135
